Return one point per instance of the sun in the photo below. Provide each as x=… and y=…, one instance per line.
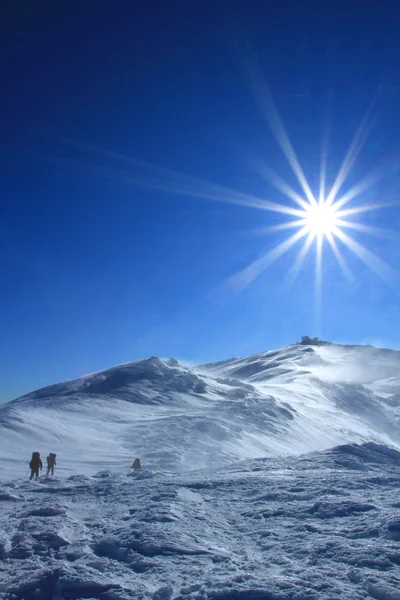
x=321, y=219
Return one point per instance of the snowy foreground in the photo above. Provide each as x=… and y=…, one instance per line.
x=324, y=525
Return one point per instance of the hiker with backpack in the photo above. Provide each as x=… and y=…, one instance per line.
x=51, y=463
x=35, y=465
x=136, y=466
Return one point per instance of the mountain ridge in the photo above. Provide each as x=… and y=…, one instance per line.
x=287, y=401
x=174, y=362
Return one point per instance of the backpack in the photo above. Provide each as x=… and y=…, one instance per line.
x=51, y=459
x=35, y=461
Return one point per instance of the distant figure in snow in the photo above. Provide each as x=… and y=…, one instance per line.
x=51, y=463
x=136, y=466
x=35, y=464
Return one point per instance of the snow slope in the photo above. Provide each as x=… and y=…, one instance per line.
x=177, y=418
x=272, y=477
x=320, y=526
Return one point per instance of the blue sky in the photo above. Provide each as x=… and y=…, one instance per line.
x=104, y=260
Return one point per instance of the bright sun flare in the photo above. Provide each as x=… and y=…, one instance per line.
x=316, y=219
x=321, y=219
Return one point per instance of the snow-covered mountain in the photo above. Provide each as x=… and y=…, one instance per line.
x=215, y=514
x=176, y=418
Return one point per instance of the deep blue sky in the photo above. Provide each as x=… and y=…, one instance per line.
x=97, y=270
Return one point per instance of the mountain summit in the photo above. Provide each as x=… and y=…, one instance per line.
x=297, y=399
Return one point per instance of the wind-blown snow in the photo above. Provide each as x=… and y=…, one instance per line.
x=176, y=418
x=272, y=477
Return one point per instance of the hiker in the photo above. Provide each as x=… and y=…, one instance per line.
x=35, y=464
x=136, y=466
x=51, y=462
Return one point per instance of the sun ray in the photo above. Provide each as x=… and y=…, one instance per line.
x=322, y=184
x=170, y=181
x=387, y=273
x=270, y=112
x=339, y=257
x=220, y=194
x=295, y=268
x=273, y=178
x=318, y=285
x=279, y=227
x=362, y=209
x=358, y=189
x=249, y=273
x=263, y=98
x=352, y=153
x=326, y=125
x=370, y=229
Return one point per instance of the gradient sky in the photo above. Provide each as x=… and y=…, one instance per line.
x=101, y=264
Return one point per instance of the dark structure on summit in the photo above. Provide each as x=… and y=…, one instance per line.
x=307, y=341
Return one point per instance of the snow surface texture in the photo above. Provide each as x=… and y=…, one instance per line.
x=273, y=477
x=321, y=526
x=176, y=418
